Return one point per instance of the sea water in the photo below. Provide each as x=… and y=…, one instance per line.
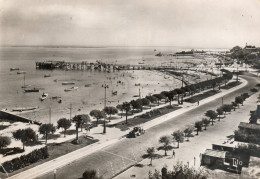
x=84, y=98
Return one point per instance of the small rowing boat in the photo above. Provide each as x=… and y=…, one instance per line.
x=67, y=83
x=55, y=97
x=24, y=109
x=31, y=90
x=21, y=72
x=13, y=69
x=44, y=96
x=71, y=89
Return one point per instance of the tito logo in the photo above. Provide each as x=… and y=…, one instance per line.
x=236, y=162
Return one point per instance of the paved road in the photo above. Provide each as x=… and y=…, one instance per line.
x=125, y=153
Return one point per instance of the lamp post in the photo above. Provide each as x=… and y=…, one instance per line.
x=50, y=114
x=55, y=172
x=182, y=80
x=70, y=110
x=105, y=100
x=237, y=72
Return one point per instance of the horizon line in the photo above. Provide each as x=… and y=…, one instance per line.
x=107, y=46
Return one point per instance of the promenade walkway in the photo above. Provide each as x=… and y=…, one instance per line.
x=216, y=134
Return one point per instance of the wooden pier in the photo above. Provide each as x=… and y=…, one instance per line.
x=62, y=65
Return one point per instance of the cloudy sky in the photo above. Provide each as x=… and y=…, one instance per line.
x=183, y=23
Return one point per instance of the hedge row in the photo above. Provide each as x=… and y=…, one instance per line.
x=25, y=160
x=253, y=149
x=151, y=114
x=245, y=136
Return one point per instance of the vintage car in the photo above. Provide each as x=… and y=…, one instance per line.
x=137, y=131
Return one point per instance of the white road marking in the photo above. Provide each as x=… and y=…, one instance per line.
x=118, y=155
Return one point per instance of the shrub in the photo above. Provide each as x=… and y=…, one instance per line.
x=4, y=141
x=245, y=95
x=251, y=148
x=90, y=174
x=151, y=114
x=254, y=90
x=246, y=136
x=25, y=160
x=179, y=171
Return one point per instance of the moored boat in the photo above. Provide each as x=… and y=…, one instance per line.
x=71, y=89
x=21, y=72
x=24, y=109
x=13, y=69
x=47, y=75
x=44, y=96
x=31, y=90
x=67, y=83
x=56, y=97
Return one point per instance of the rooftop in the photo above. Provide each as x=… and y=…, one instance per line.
x=249, y=126
x=215, y=153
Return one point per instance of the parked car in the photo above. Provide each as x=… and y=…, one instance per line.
x=137, y=131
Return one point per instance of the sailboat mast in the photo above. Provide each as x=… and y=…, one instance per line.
x=24, y=80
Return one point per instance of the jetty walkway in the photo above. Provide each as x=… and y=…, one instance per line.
x=62, y=65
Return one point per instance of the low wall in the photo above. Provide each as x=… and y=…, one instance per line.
x=13, y=117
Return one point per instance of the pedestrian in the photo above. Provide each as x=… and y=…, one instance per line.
x=173, y=153
x=198, y=103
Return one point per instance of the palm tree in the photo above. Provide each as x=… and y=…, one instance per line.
x=239, y=100
x=206, y=122
x=110, y=110
x=159, y=97
x=120, y=107
x=79, y=121
x=178, y=136
x=234, y=105
x=136, y=105
x=64, y=123
x=219, y=112
x=198, y=126
x=166, y=144
x=152, y=99
x=170, y=95
x=45, y=129
x=99, y=115
x=146, y=102
x=179, y=92
x=96, y=114
x=25, y=135
x=212, y=115
x=188, y=132
x=150, y=153
x=126, y=107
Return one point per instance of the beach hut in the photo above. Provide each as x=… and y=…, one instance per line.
x=213, y=158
